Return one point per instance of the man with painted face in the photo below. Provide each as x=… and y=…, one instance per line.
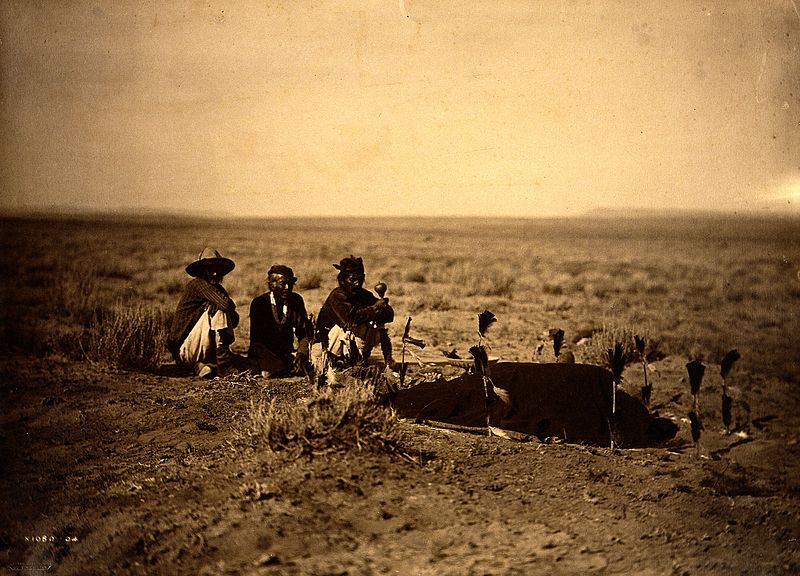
x=277, y=318
x=352, y=320
x=202, y=327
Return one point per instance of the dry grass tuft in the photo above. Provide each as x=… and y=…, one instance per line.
x=605, y=339
x=129, y=337
x=335, y=418
x=74, y=292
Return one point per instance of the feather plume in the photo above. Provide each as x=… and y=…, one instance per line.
x=639, y=343
x=557, y=334
x=616, y=361
x=485, y=319
x=696, y=370
x=407, y=330
x=728, y=362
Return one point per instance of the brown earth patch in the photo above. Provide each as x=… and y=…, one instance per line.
x=127, y=473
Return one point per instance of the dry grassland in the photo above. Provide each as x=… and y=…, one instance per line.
x=125, y=468
x=696, y=287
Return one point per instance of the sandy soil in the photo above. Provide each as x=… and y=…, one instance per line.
x=110, y=472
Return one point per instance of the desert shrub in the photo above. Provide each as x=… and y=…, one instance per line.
x=596, y=352
x=398, y=289
x=64, y=343
x=415, y=276
x=491, y=284
x=310, y=281
x=128, y=336
x=433, y=302
x=656, y=289
x=475, y=279
x=75, y=292
x=553, y=289
x=113, y=270
x=341, y=418
x=559, y=284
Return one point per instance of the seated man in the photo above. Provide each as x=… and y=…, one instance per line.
x=277, y=317
x=352, y=320
x=202, y=328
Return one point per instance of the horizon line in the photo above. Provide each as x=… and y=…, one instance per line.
x=58, y=212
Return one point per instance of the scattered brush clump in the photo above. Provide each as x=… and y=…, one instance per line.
x=596, y=352
x=75, y=292
x=435, y=302
x=311, y=281
x=332, y=419
x=416, y=277
x=500, y=284
x=128, y=337
x=473, y=279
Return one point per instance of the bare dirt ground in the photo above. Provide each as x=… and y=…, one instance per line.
x=111, y=471
x=117, y=472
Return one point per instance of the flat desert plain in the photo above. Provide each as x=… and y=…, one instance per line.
x=114, y=463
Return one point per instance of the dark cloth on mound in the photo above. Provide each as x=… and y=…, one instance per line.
x=348, y=311
x=197, y=296
x=272, y=335
x=567, y=401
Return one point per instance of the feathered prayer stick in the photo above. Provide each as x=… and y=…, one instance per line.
x=616, y=362
x=647, y=388
x=481, y=358
x=557, y=334
x=727, y=402
x=696, y=370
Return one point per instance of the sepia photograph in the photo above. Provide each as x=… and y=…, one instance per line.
x=409, y=287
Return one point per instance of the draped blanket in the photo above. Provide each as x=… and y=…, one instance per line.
x=571, y=402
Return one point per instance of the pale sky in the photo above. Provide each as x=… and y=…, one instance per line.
x=400, y=107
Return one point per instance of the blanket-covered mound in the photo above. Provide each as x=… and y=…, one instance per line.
x=571, y=402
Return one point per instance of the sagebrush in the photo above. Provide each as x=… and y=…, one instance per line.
x=129, y=337
x=338, y=418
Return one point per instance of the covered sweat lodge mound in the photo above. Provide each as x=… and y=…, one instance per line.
x=567, y=401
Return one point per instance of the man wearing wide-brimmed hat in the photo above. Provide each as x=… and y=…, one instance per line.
x=353, y=320
x=277, y=318
x=202, y=328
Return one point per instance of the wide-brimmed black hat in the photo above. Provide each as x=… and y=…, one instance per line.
x=283, y=271
x=350, y=265
x=210, y=259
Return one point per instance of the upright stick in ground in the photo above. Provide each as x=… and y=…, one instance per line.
x=696, y=370
x=403, y=365
x=727, y=402
x=647, y=388
x=407, y=339
x=557, y=334
x=481, y=358
x=616, y=362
